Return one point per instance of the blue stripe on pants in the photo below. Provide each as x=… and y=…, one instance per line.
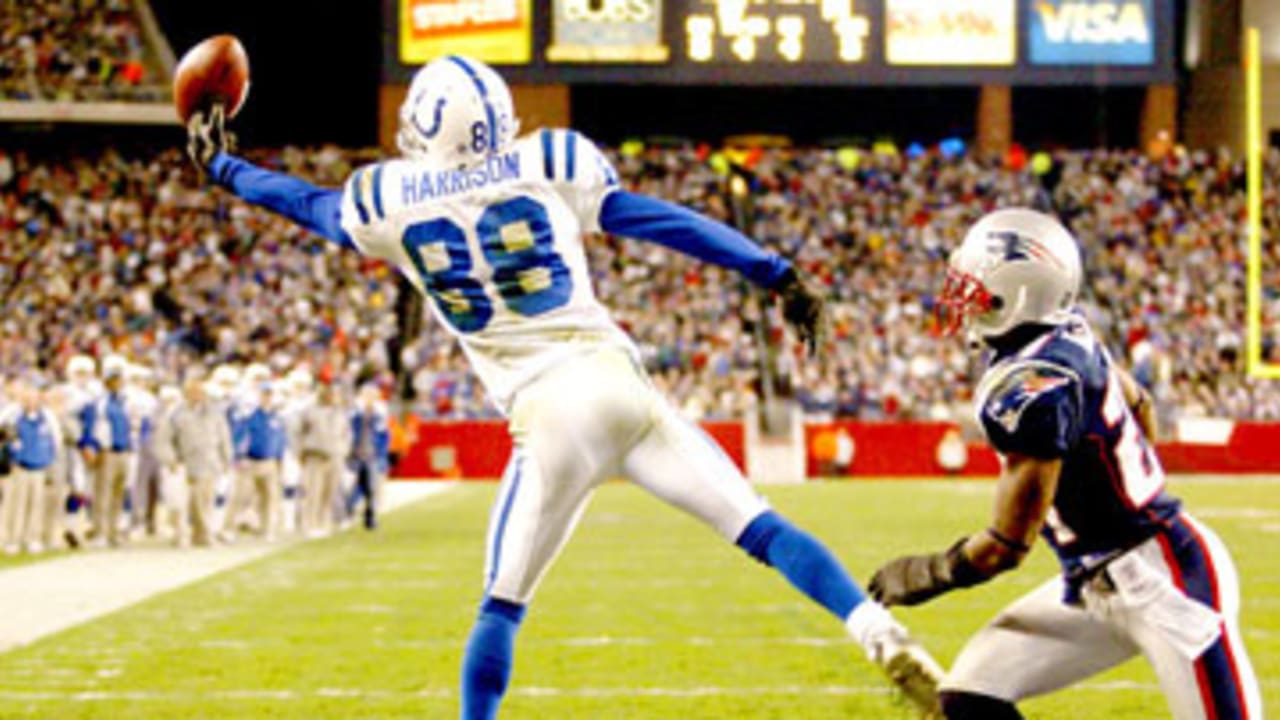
x=501, y=530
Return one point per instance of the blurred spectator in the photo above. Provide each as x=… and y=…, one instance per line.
x=73, y=50
x=34, y=444
x=265, y=443
x=110, y=441
x=195, y=440
x=325, y=439
x=370, y=442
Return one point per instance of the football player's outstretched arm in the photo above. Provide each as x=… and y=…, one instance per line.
x=1023, y=498
x=314, y=208
x=317, y=209
x=1032, y=418
x=680, y=229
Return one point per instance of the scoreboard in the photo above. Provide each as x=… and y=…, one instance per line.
x=805, y=31
x=801, y=42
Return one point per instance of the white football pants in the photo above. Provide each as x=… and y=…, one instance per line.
x=1039, y=644
x=589, y=419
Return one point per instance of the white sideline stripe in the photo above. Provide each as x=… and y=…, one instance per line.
x=287, y=695
x=43, y=598
x=1236, y=513
x=609, y=640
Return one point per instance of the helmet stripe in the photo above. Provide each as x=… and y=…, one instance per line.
x=484, y=96
x=570, y=153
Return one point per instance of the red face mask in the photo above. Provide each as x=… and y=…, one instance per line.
x=963, y=296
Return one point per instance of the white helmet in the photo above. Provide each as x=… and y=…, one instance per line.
x=1015, y=266
x=255, y=374
x=81, y=368
x=298, y=381
x=138, y=374
x=458, y=111
x=170, y=395
x=223, y=381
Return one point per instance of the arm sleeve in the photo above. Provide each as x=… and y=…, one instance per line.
x=225, y=446
x=1035, y=412
x=681, y=229
x=55, y=430
x=162, y=441
x=88, y=426
x=314, y=208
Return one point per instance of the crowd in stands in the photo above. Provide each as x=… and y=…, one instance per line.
x=74, y=50
x=132, y=255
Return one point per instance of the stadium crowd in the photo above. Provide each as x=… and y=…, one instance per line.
x=73, y=50
x=131, y=255
x=113, y=257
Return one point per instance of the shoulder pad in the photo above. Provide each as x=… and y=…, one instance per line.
x=1008, y=390
x=570, y=157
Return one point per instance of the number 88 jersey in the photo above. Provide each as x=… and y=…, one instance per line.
x=1058, y=397
x=497, y=248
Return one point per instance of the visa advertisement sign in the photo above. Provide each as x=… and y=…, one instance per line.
x=1091, y=32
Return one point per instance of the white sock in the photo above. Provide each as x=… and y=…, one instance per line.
x=868, y=620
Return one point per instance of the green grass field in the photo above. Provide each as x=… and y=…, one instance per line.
x=647, y=615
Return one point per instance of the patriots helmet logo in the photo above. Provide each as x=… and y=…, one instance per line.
x=1012, y=245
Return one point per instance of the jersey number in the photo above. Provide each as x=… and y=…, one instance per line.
x=516, y=239
x=1138, y=469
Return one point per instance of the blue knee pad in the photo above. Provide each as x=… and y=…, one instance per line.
x=803, y=560
x=486, y=669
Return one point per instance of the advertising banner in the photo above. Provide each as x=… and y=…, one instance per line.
x=963, y=32
x=607, y=31
x=495, y=31
x=1091, y=32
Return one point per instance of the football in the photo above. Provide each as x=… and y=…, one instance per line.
x=215, y=71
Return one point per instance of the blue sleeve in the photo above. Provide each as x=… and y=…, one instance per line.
x=670, y=225
x=316, y=209
x=1036, y=412
x=382, y=439
x=239, y=433
x=88, y=421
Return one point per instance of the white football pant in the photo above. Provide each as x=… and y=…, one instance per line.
x=589, y=419
x=1039, y=644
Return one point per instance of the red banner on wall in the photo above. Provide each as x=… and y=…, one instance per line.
x=479, y=449
x=891, y=450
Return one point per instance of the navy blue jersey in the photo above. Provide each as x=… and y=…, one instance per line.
x=1058, y=397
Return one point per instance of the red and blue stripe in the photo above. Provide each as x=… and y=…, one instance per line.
x=1217, y=676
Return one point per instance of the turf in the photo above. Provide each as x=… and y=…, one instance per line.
x=647, y=615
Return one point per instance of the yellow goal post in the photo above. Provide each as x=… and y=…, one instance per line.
x=1258, y=366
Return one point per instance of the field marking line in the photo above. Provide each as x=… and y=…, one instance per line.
x=543, y=692
x=39, y=599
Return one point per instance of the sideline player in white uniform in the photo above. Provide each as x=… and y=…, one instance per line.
x=491, y=229
x=1139, y=575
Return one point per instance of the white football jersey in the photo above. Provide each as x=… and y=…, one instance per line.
x=497, y=248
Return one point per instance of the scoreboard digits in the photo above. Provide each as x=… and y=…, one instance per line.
x=783, y=31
